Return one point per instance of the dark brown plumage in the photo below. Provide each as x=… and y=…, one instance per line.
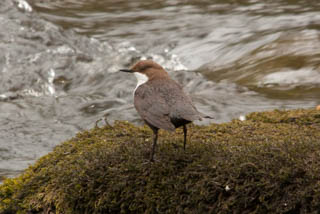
x=160, y=101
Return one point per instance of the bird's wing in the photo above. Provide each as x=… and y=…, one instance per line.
x=181, y=106
x=152, y=107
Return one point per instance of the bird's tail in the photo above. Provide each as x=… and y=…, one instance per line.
x=205, y=116
x=208, y=117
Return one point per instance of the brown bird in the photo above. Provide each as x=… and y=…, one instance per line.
x=160, y=101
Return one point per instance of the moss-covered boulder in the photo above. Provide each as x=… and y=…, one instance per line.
x=269, y=163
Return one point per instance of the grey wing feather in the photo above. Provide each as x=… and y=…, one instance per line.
x=181, y=105
x=152, y=107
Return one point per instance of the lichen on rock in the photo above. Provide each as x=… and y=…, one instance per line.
x=269, y=163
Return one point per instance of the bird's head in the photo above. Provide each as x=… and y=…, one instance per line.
x=146, y=69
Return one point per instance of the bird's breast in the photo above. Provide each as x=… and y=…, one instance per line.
x=141, y=79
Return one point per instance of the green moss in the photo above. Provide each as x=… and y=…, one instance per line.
x=267, y=164
x=298, y=116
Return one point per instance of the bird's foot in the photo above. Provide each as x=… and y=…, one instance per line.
x=153, y=160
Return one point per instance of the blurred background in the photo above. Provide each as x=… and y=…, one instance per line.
x=59, y=61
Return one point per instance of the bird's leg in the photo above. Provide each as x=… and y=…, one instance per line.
x=155, y=138
x=185, y=137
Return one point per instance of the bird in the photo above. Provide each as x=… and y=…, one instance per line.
x=160, y=101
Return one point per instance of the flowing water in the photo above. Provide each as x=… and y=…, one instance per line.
x=59, y=61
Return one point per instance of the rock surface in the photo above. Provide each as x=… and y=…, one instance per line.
x=269, y=163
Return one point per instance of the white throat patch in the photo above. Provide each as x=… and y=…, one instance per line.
x=142, y=78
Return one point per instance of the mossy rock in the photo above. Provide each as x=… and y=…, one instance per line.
x=266, y=164
x=298, y=116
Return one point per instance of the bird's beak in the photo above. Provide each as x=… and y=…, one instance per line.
x=126, y=70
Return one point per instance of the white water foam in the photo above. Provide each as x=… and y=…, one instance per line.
x=24, y=5
x=301, y=77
